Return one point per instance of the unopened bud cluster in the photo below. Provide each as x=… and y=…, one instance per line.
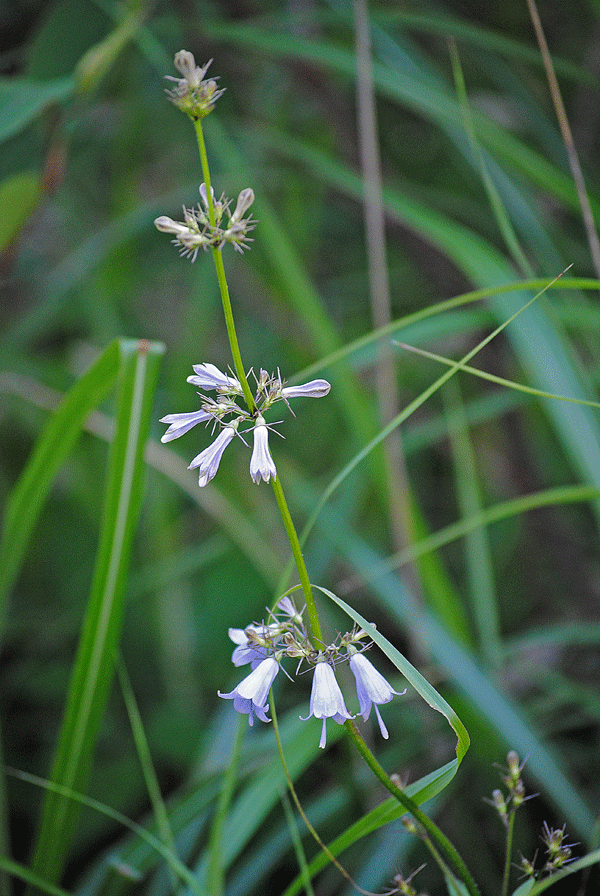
x=192, y=93
x=202, y=230
x=516, y=796
x=264, y=645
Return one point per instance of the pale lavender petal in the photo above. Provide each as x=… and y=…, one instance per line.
x=245, y=706
x=246, y=653
x=210, y=377
x=314, y=389
x=182, y=423
x=207, y=462
x=326, y=698
x=261, y=462
x=244, y=201
x=257, y=685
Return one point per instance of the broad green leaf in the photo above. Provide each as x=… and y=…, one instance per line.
x=94, y=666
x=22, y=100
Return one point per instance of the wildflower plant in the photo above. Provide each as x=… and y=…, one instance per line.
x=230, y=407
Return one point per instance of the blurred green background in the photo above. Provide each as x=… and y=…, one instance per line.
x=91, y=152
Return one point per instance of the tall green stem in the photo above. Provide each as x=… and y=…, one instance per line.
x=241, y=375
x=432, y=829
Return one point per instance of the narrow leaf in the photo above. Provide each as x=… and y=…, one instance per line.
x=94, y=667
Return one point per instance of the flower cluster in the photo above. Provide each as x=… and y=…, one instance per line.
x=264, y=646
x=196, y=231
x=224, y=411
x=191, y=93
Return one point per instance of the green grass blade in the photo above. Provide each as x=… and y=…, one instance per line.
x=143, y=750
x=19, y=196
x=22, y=100
x=375, y=336
x=535, y=338
x=298, y=845
x=94, y=667
x=404, y=415
x=539, y=886
x=386, y=812
x=216, y=870
x=149, y=839
x=28, y=877
x=478, y=554
x=501, y=381
x=57, y=440
x=564, y=494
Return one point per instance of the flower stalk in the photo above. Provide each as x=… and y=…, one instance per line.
x=311, y=606
x=241, y=375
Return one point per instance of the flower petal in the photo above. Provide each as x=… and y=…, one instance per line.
x=210, y=377
x=326, y=698
x=261, y=462
x=207, y=462
x=182, y=423
x=314, y=389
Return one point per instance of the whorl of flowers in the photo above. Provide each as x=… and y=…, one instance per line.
x=265, y=645
x=224, y=412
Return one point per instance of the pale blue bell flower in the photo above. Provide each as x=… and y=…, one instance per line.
x=179, y=424
x=207, y=462
x=326, y=699
x=314, y=389
x=207, y=376
x=372, y=688
x=261, y=462
x=250, y=696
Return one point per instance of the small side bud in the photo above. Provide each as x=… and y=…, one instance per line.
x=500, y=806
x=245, y=200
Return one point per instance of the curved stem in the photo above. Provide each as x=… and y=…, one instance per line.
x=432, y=829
